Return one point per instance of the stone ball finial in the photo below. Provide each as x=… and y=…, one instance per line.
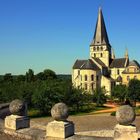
x=125, y=115
x=17, y=107
x=59, y=112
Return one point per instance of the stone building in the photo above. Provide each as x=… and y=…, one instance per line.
x=102, y=69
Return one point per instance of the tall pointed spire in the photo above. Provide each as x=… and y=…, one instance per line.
x=100, y=35
x=126, y=53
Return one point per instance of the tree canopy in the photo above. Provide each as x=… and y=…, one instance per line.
x=119, y=92
x=41, y=91
x=134, y=90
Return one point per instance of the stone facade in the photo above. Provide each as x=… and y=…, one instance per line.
x=102, y=69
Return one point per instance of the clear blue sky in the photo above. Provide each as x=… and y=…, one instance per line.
x=52, y=34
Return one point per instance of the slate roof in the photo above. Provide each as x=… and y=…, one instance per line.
x=78, y=64
x=85, y=64
x=100, y=35
x=134, y=63
x=99, y=61
x=118, y=63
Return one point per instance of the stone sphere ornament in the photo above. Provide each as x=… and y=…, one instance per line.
x=17, y=107
x=125, y=115
x=59, y=112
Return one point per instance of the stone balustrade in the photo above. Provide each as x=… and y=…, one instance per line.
x=17, y=125
x=125, y=116
x=18, y=118
x=60, y=127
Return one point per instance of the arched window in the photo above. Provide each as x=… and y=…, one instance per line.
x=101, y=48
x=78, y=72
x=97, y=77
x=94, y=48
x=128, y=78
x=92, y=86
x=97, y=48
x=85, y=77
x=92, y=77
x=135, y=77
x=101, y=55
x=85, y=86
x=118, y=72
x=94, y=55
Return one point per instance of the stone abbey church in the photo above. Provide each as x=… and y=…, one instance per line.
x=102, y=69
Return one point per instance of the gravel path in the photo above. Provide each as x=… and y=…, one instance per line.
x=88, y=122
x=85, y=123
x=88, y=125
x=8, y=137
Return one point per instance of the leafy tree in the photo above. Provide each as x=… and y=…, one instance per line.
x=134, y=90
x=8, y=77
x=45, y=97
x=40, y=76
x=46, y=74
x=26, y=90
x=99, y=96
x=20, y=78
x=30, y=75
x=8, y=91
x=44, y=91
x=119, y=92
x=75, y=98
x=49, y=74
x=52, y=91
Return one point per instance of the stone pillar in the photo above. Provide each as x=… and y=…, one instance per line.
x=60, y=127
x=125, y=115
x=18, y=119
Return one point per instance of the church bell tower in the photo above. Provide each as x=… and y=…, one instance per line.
x=100, y=46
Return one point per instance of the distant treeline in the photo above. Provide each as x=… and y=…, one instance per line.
x=64, y=76
x=14, y=77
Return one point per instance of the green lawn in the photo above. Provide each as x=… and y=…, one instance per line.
x=137, y=110
x=34, y=113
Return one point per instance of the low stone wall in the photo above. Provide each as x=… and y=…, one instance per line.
x=36, y=134
x=4, y=110
x=17, y=126
x=33, y=133
x=4, y=105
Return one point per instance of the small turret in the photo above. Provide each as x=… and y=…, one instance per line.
x=113, y=54
x=126, y=54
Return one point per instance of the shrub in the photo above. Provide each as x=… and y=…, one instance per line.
x=113, y=113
